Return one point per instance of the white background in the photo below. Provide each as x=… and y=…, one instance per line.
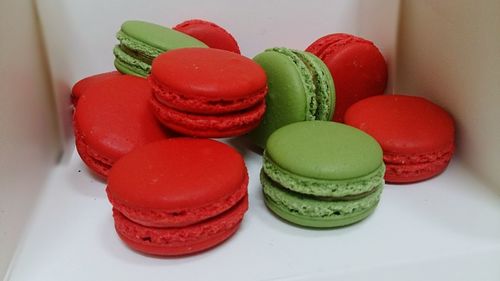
x=446, y=228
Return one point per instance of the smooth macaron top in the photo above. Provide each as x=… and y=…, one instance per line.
x=208, y=73
x=177, y=174
x=403, y=124
x=157, y=36
x=209, y=33
x=324, y=150
x=82, y=85
x=114, y=116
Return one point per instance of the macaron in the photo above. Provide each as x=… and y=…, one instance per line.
x=416, y=135
x=111, y=119
x=322, y=174
x=209, y=33
x=357, y=66
x=300, y=89
x=141, y=42
x=178, y=196
x=82, y=85
x=204, y=92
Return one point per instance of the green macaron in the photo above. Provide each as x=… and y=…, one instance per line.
x=141, y=42
x=322, y=174
x=300, y=89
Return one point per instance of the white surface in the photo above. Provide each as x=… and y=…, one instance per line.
x=449, y=52
x=446, y=228
x=80, y=35
x=28, y=133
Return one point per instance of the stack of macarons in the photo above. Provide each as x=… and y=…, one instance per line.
x=220, y=94
x=144, y=129
x=171, y=194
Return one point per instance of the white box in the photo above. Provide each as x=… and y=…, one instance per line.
x=446, y=228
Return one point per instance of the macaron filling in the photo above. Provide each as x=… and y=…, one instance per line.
x=101, y=164
x=133, y=56
x=206, y=124
x=129, y=64
x=174, y=237
x=417, y=164
x=307, y=81
x=200, y=104
x=317, y=206
x=137, y=47
x=423, y=158
x=318, y=84
x=180, y=217
x=136, y=54
x=323, y=188
x=325, y=97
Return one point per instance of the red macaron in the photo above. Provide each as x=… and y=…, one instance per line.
x=209, y=33
x=178, y=196
x=112, y=118
x=205, y=92
x=417, y=136
x=82, y=85
x=357, y=67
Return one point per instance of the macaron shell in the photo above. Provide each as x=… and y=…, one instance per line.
x=82, y=85
x=286, y=99
x=357, y=67
x=356, y=80
x=416, y=135
x=183, y=240
x=404, y=125
x=327, y=150
x=209, y=73
x=209, y=33
x=158, y=36
x=114, y=117
x=141, y=42
x=177, y=175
